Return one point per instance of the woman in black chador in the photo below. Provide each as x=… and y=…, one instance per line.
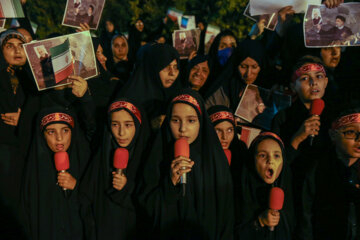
x=107, y=197
x=154, y=81
x=265, y=168
x=204, y=210
x=51, y=212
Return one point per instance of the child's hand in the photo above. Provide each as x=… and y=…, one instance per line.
x=79, y=86
x=119, y=181
x=65, y=180
x=179, y=166
x=311, y=126
x=269, y=218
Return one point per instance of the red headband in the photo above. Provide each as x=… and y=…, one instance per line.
x=128, y=106
x=271, y=135
x=56, y=117
x=189, y=99
x=222, y=116
x=346, y=120
x=307, y=68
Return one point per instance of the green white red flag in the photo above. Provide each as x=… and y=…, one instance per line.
x=61, y=60
x=11, y=9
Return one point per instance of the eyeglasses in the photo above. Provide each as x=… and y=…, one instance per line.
x=351, y=134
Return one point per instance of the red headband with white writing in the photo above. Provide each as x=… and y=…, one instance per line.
x=308, y=68
x=189, y=99
x=346, y=120
x=56, y=117
x=222, y=116
x=129, y=106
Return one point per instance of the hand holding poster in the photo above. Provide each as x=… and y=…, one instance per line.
x=270, y=20
x=83, y=11
x=258, y=106
x=186, y=41
x=53, y=60
x=330, y=27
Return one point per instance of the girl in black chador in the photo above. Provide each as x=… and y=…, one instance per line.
x=204, y=210
x=265, y=168
x=107, y=197
x=51, y=211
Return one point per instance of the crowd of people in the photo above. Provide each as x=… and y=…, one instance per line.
x=143, y=100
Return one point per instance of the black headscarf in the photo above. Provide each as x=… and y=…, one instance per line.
x=145, y=84
x=50, y=213
x=103, y=205
x=230, y=79
x=216, y=68
x=255, y=197
x=205, y=212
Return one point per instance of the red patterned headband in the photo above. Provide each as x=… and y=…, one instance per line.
x=307, y=68
x=346, y=120
x=222, y=116
x=128, y=106
x=189, y=99
x=271, y=135
x=56, y=117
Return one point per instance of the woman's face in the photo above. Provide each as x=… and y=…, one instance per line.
x=26, y=34
x=14, y=52
x=227, y=42
x=310, y=85
x=123, y=127
x=184, y=122
x=249, y=70
x=120, y=48
x=268, y=160
x=139, y=25
x=225, y=132
x=198, y=75
x=100, y=56
x=58, y=137
x=109, y=26
x=169, y=74
x=331, y=56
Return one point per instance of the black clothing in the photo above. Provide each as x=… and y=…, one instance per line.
x=105, y=209
x=254, y=199
x=330, y=199
x=51, y=213
x=206, y=210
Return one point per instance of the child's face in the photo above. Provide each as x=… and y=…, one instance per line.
x=347, y=140
x=225, y=132
x=58, y=137
x=184, y=122
x=268, y=160
x=310, y=85
x=122, y=127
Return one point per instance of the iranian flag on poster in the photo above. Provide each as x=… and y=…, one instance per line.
x=61, y=60
x=11, y=9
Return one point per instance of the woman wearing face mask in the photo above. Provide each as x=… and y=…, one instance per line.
x=265, y=168
x=108, y=197
x=221, y=50
x=203, y=210
x=154, y=80
x=51, y=211
x=247, y=65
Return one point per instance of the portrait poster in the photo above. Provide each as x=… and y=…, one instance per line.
x=211, y=32
x=260, y=7
x=248, y=134
x=332, y=27
x=270, y=22
x=258, y=106
x=83, y=11
x=186, y=41
x=77, y=55
x=11, y=9
x=186, y=22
